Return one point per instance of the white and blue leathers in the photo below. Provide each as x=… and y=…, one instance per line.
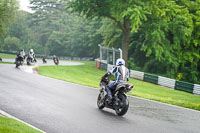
x=121, y=75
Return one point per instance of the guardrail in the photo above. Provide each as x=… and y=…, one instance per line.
x=50, y=57
x=159, y=80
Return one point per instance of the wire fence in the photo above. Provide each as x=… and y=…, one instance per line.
x=109, y=55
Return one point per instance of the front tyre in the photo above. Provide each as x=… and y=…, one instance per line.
x=28, y=62
x=100, y=101
x=17, y=64
x=122, y=108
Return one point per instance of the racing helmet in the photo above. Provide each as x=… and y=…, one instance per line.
x=120, y=62
x=31, y=50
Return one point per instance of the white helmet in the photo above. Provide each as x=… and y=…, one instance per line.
x=120, y=62
x=31, y=50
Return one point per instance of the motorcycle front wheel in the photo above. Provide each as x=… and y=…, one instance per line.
x=28, y=62
x=100, y=101
x=17, y=64
x=122, y=108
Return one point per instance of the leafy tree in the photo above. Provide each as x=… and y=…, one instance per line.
x=111, y=33
x=167, y=39
x=126, y=13
x=61, y=33
x=11, y=44
x=7, y=13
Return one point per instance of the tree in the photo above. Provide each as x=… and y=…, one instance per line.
x=7, y=13
x=61, y=33
x=11, y=44
x=128, y=15
x=168, y=41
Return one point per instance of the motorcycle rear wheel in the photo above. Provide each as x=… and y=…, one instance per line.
x=122, y=108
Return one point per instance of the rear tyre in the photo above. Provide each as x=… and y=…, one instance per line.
x=100, y=101
x=122, y=108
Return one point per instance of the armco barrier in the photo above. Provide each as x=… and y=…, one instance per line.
x=184, y=86
x=167, y=82
x=103, y=66
x=163, y=81
x=151, y=78
x=137, y=75
x=196, y=89
x=110, y=67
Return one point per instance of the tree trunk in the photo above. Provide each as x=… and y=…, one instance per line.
x=126, y=40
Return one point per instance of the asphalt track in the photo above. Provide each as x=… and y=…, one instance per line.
x=56, y=106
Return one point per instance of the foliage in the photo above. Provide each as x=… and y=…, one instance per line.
x=111, y=33
x=7, y=12
x=160, y=37
x=55, y=31
x=127, y=14
x=167, y=41
x=11, y=43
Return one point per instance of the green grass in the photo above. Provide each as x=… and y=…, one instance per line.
x=10, y=56
x=88, y=75
x=6, y=62
x=8, y=125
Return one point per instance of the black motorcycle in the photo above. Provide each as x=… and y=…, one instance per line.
x=56, y=61
x=122, y=105
x=44, y=60
x=30, y=59
x=19, y=61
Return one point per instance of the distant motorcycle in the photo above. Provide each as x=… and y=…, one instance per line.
x=44, y=60
x=56, y=61
x=19, y=61
x=122, y=105
x=30, y=59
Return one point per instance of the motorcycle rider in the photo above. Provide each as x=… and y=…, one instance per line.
x=121, y=75
x=44, y=59
x=55, y=57
x=21, y=53
x=32, y=54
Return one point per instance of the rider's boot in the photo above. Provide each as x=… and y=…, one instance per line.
x=109, y=94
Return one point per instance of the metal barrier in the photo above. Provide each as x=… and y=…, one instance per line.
x=137, y=74
x=151, y=78
x=196, y=89
x=167, y=82
x=184, y=86
x=163, y=81
x=110, y=67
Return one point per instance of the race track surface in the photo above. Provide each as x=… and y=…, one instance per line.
x=56, y=106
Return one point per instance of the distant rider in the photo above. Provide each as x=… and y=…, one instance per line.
x=21, y=54
x=121, y=75
x=55, y=57
x=44, y=59
x=32, y=54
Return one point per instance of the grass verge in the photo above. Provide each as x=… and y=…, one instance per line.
x=89, y=75
x=8, y=125
x=10, y=56
x=6, y=62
